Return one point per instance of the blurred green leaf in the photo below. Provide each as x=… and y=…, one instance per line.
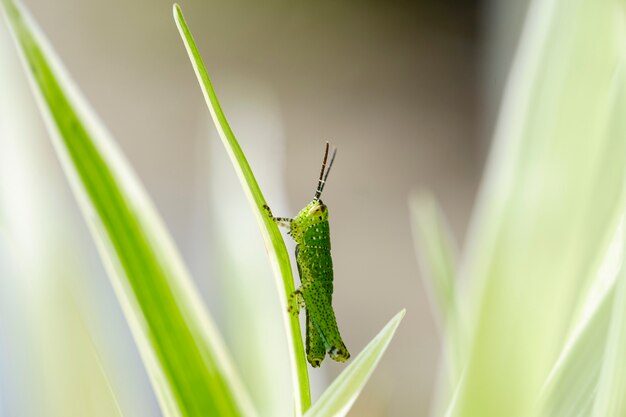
x=252, y=315
x=274, y=243
x=437, y=255
x=47, y=349
x=570, y=389
x=436, y=252
x=544, y=218
x=609, y=399
x=338, y=398
x=181, y=348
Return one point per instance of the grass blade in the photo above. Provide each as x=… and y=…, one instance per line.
x=273, y=240
x=341, y=394
x=571, y=387
x=47, y=348
x=546, y=210
x=249, y=300
x=181, y=348
x=436, y=253
x=609, y=399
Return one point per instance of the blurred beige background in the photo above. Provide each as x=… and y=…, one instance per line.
x=407, y=91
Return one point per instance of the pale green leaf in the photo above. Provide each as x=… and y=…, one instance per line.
x=571, y=386
x=42, y=309
x=437, y=255
x=181, y=348
x=435, y=251
x=545, y=213
x=609, y=399
x=338, y=398
x=253, y=325
x=274, y=243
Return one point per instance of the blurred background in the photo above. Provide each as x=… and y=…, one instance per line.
x=407, y=92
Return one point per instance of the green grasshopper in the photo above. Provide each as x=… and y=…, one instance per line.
x=311, y=232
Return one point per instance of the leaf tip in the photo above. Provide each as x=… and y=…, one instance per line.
x=400, y=315
x=395, y=321
x=176, y=11
x=421, y=199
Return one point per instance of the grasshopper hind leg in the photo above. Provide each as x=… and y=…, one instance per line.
x=315, y=347
x=324, y=321
x=339, y=353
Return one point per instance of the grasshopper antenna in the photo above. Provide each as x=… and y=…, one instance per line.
x=323, y=176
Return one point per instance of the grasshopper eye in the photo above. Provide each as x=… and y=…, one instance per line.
x=317, y=210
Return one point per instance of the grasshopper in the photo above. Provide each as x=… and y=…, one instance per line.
x=311, y=232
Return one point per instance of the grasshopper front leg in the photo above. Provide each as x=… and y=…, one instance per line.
x=281, y=221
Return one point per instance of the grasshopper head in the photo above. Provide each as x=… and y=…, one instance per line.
x=317, y=210
x=314, y=213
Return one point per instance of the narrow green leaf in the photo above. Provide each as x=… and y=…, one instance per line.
x=181, y=348
x=252, y=314
x=435, y=252
x=610, y=400
x=43, y=310
x=437, y=255
x=274, y=243
x=570, y=389
x=546, y=206
x=338, y=398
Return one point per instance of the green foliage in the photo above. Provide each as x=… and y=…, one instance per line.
x=274, y=243
x=187, y=362
x=437, y=256
x=546, y=313
x=339, y=397
x=348, y=381
x=182, y=350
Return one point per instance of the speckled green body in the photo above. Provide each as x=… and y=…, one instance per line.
x=311, y=232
